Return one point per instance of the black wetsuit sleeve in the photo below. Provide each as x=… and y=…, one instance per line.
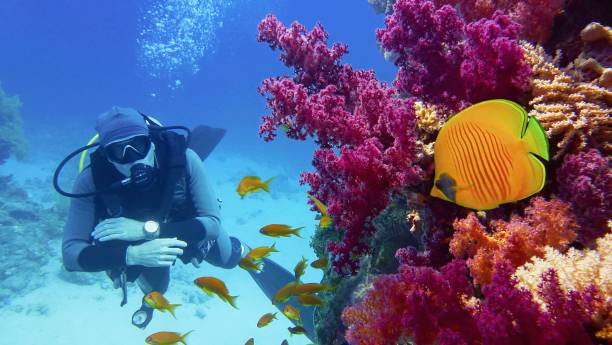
x=78, y=251
x=206, y=225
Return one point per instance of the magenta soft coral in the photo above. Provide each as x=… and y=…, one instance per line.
x=427, y=306
x=450, y=62
x=365, y=132
x=535, y=16
x=585, y=180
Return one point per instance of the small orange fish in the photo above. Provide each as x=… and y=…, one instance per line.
x=157, y=301
x=276, y=230
x=300, y=267
x=249, y=265
x=212, y=285
x=262, y=252
x=283, y=294
x=310, y=288
x=296, y=330
x=325, y=221
x=320, y=263
x=251, y=341
x=265, y=319
x=291, y=312
x=310, y=300
x=252, y=184
x=166, y=338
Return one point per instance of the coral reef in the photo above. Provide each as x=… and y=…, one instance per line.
x=450, y=62
x=577, y=270
x=422, y=270
x=425, y=306
x=545, y=223
x=27, y=237
x=534, y=16
x=365, y=132
x=576, y=115
x=585, y=180
x=11, y=133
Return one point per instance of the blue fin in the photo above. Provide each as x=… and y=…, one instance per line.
x=204, y=139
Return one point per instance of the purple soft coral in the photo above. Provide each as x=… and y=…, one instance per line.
x=365, y=132
x=450, y=62
x=585, y=180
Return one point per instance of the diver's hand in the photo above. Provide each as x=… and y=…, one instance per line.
x=160, y=252
x=121, y=228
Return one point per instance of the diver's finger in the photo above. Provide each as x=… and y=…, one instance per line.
x=165, y=263
x=164, y=257
x=173, y=242
x=171, y=250
x=110, y=237
x=107, y=232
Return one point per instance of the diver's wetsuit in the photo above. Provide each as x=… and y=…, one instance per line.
x=80, y=254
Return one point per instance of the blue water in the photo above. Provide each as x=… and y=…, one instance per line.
x=69, y=61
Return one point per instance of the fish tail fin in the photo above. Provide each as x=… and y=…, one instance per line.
x=296, y=231
x=273, y=247
x=182, y=339
x=265, y=184
x=171, y=309
x=231, y=300
x=536, y=139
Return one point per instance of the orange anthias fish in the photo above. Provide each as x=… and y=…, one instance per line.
x=252, y=184
x=300, y=268
x=265, y=319
x=489, y=154
x=166, y=338
x=262, y=252
x=249, y=265
x=325, y=221
x=310, y=288
x=251, y=341
x=310, y=300
x=291, y=312
x=212, y=285
x=319, y=263
x=278, y=230
x=157, y=301
x=283, y=294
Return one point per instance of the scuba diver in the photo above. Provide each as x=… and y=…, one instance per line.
x=144, y=201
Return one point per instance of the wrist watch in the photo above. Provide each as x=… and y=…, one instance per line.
x=151, y=229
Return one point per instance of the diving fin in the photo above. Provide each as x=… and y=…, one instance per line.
x=273, y=277
x=204, y=139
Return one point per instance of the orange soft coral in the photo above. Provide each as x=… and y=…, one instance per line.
x=545, y=223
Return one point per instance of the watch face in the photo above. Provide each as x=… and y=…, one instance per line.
x=151, y=226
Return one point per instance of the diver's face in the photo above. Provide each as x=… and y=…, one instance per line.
x=147, y=158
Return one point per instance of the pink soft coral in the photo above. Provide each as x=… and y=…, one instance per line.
x=450, y=62
x=535, y=16
x=365, y=132
x=426, y=306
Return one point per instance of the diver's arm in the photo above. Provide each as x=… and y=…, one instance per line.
x=78, y=253
x=206, y=226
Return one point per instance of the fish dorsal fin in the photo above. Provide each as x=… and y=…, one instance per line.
x=500, y=116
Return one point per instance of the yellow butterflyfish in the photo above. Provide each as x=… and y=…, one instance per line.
x=489, y=154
